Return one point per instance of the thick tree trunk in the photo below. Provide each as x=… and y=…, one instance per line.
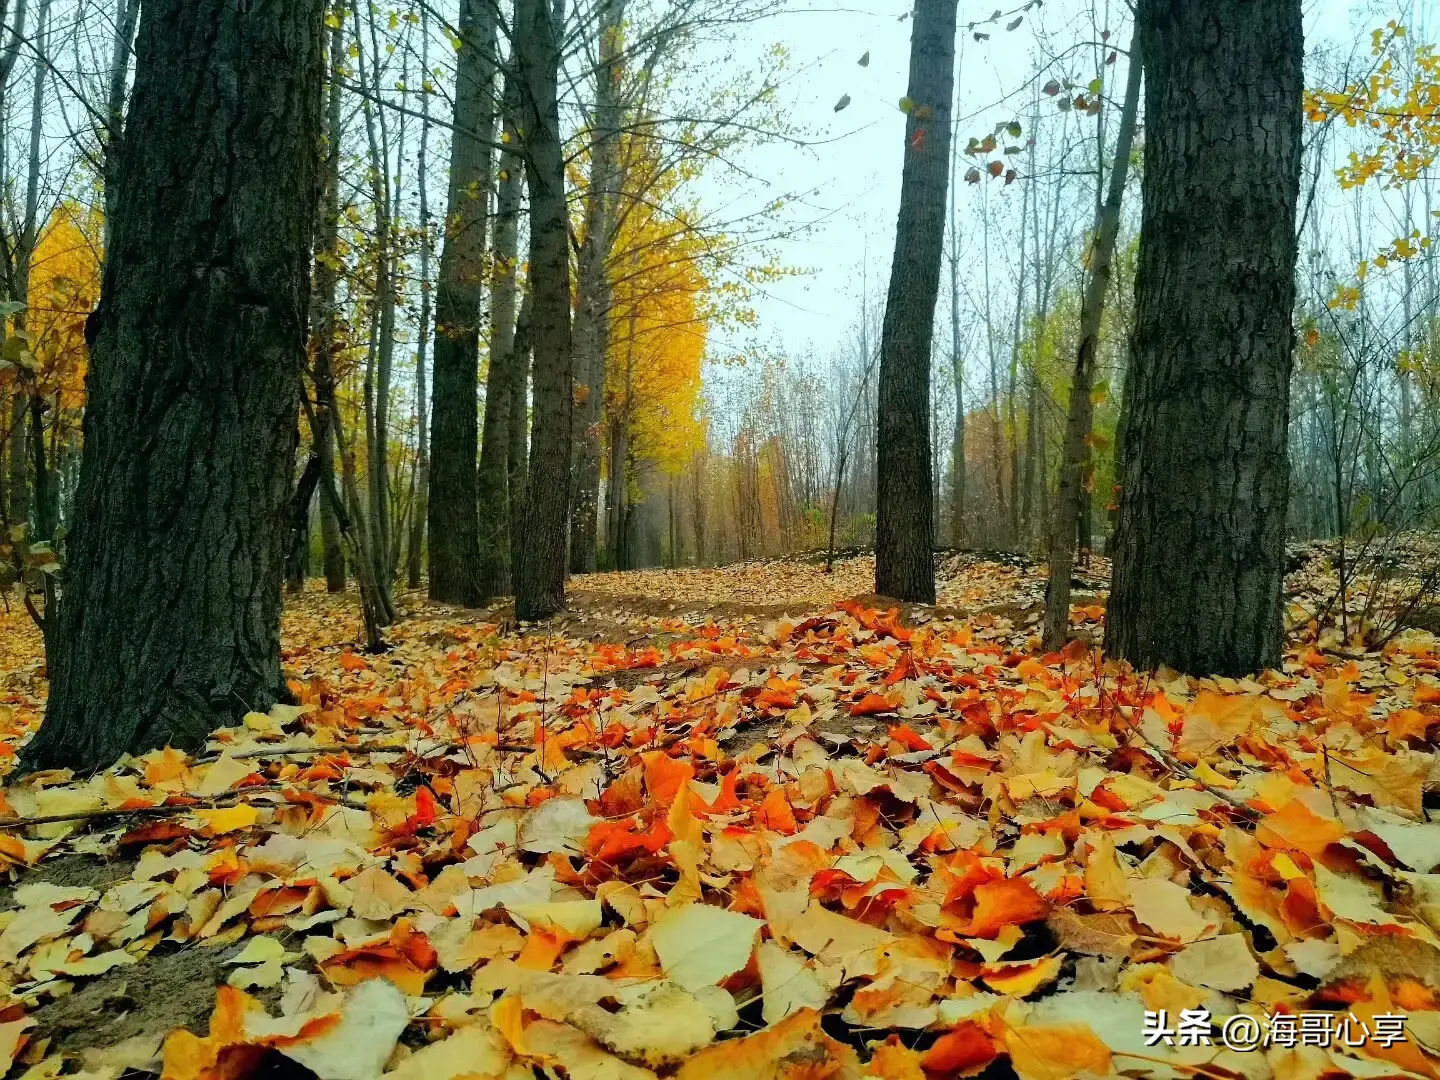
x=455, y=428
x=905, y=518
x=1200, y=543
x=540, y=583
x=592, y=300
x=170, y=620
x=1075, y=455
x=498, y=501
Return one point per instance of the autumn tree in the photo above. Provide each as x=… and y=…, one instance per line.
x=454, y=421
x=659, y=317
x=1199, y=548
x=540, y=581
x=905, y=512
x=1076, y=478
x=501, y=493
x=593, y=300
x=169, y=620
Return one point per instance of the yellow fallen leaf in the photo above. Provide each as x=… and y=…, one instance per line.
x=788, y=982
x=1056, y=1053
x=1105, y=884
x=698, y=945
x=374, y=894
x=228, y=820
x=470, y=1051
x=13, y=1038
x=1221, y=963
x=1165, y=907
x=1023, y=977
x=575, y=919
x=259, y=950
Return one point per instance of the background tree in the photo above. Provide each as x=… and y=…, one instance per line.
x=1076, y=479
x=905, y=513
x=540, y=582
x=454, y=421
x=1199, y=549
x=169, y=621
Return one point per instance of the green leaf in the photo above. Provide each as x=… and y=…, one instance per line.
x=1096, y=85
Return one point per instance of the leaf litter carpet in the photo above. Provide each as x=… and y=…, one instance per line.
x=677, y=833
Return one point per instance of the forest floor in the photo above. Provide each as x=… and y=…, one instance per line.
x=746, y=822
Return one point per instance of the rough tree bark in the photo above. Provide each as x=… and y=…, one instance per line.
x=540, y=583
x=454, y=421
x=169, y=623
x=127, y=14
x=422, y=410
x=517, y=459
x=905, y=514
x=1200, y=541
x=957, y=364
x=377, y=445
x=1075, y=451
x=323, y=315
x=498, y=501
x=592, y=299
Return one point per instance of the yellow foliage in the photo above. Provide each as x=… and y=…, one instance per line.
x=660, y=317
x=64, y=289
x=1397, y=106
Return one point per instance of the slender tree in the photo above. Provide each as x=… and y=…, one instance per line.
x=127, y=15
x=379, y=369
x=957, y=361
x=169, y=623
x=454, y=421
x=540, y=583
x=422, y=413
x=905, y=512
x=323, y=319
x=1199, y=550
x=1075, y=452
x=499, y=500
x=592, y=300
x=517, y=459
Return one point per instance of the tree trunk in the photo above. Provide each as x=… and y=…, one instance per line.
x=382, y=342
x=170, y=620
x=18, y=267
x=16, y=24
x=540, y=583
x=517, y=462
x=905, y=518
x=1011, y=422
x=422, y=412
x=1075, y=454
x=323, y=316
x=498, y=501
x=1200, y=543
x=17, y=509
x=957, y=363
x=455, y=429
x=127, y=14
x=592, y=301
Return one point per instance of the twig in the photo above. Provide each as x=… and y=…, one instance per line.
x=200, y=802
